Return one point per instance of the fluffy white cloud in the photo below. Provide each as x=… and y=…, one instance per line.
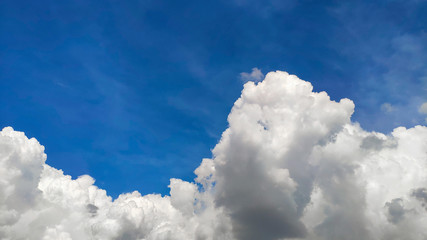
x=40, y=202
x=291, y=165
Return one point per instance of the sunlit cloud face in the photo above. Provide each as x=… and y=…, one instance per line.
x=291, y=165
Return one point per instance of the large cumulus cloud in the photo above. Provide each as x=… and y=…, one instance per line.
x=291, y=165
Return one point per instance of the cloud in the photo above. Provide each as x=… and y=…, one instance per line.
x=421, y=195
x=423, y=109
x=291, y=165
x=387, y=107
x=396, y=211
x=40, y=202
x=254, y=76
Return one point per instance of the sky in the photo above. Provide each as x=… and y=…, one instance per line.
x=134, y=93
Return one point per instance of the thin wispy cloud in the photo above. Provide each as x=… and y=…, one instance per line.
x=423, y=109
x=255, y=75
x=387, y=107
x=389, y=55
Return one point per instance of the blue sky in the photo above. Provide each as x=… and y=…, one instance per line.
x=136, y=92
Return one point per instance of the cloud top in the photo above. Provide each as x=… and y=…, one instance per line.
x=291, y=165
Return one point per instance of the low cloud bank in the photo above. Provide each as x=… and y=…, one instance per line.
x=291, y=165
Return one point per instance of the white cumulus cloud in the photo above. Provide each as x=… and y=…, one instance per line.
x=291, y=165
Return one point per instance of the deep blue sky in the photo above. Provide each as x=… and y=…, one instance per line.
x=136, y=92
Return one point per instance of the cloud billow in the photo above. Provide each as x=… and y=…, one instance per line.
x=291, y=165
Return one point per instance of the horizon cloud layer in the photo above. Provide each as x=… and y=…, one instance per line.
x=290, y=165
